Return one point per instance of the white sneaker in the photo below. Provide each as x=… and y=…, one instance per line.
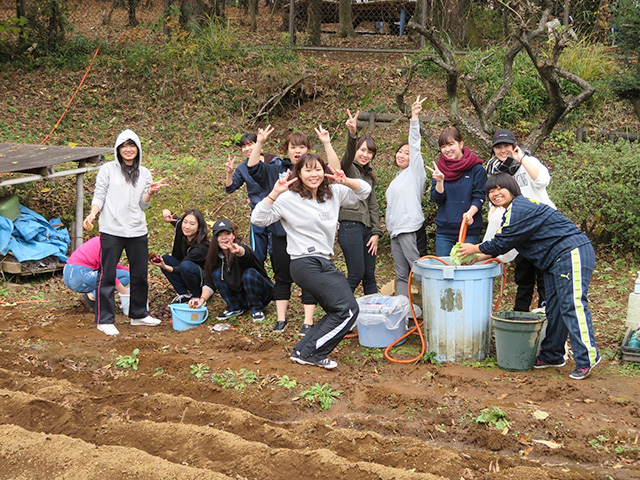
x=108, y=329
x=147, y=321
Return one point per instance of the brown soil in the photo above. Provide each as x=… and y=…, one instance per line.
x=67, y=411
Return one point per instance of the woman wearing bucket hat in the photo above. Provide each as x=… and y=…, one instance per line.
x=308, y=206
x=533, y=178
x=233, y=270
x=184, y=266
x=122, y=193
x=557, y=247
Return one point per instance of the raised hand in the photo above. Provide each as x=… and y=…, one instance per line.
x=352, y=123
x=436, y=174
x=416, y=108
x=282, y=185
x=156, y=186
x=323, y=134
x=229, y=165
x=336, y=174
x=167, y=216
x=263, y=134
x=236, y=249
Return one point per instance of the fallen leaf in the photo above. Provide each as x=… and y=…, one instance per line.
x=504, y=395
x=552, y=445
x=540, y=415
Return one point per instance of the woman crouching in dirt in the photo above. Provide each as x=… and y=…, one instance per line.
x=308, y=207
x=233, y=270
x=184, y=267
x=556, y=246
x=122, y=193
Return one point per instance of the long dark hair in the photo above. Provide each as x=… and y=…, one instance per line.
x=213, y=256
x=203, y=231
x=371, y=146
x=131, y=174
x=324, y=190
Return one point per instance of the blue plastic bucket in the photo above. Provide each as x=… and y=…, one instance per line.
x=456, y=308
x=184, y=317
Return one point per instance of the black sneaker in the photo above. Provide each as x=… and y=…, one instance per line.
x=324, y=363
x=280, y=326
x=88, y=303
x=181, y=298
x=227, y=314
x=258, y=316
x=542, y=364
x=304, y=329
x=582, y=373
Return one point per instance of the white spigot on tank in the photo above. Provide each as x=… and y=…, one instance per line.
x=633, y=309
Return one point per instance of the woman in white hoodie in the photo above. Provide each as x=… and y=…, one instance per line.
x=123, y=191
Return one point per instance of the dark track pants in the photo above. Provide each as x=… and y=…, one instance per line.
x=567, y=287
x=319, y=277
x=111, y=248
x=361, y=265
x=281, y=264
x=527, y=276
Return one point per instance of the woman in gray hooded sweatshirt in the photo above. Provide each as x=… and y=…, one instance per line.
x=123, y=191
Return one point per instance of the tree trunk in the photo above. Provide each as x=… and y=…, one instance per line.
x=253, y=15
x=131, y=6
x=314, y=22
x=345, y=15
x=635, y=101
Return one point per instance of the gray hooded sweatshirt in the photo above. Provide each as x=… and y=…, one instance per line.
x=121, y=204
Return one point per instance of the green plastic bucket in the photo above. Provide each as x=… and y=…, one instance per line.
x=517, y=337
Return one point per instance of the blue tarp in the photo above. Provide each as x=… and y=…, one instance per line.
x=31, y=237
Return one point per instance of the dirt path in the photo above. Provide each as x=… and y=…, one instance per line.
x=67, y=411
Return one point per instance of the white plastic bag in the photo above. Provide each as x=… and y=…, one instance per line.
x=376, y=309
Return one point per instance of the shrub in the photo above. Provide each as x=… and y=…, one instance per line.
x=599, y=191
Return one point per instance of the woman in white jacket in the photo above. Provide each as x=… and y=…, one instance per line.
x=123, y=191
x=404, y=218
x=532, y=178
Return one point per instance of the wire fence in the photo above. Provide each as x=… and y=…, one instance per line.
x=335, y=24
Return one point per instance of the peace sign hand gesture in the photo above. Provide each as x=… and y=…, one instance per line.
x=229, y=165
x=416, y=108
x=282, y=185
x=323, y=134
x=263, y=134
x=436, y=174
x=338, y=175
x=352, y=123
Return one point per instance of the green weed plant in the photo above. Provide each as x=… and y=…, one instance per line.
x=199, y=370
x=495, y=417
x=237, y=381
x=128, y=361
x=323, y=394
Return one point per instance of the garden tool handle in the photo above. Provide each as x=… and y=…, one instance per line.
x=463, y=231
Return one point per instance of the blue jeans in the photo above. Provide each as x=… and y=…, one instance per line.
x=361, y=265
x=444, y=243
x=83, y=279
x=188, y=278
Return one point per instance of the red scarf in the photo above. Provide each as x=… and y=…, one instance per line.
x=454, y=169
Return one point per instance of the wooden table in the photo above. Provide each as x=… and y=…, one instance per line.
x=40, y=161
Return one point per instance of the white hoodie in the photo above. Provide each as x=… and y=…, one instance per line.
x=121, y=204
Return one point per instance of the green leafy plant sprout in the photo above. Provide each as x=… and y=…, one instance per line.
x=238, y=381
x=322, y=394
x=431, y=358
x=129, y=361
x=495, y=417
x=199, y=370
x=287, y=382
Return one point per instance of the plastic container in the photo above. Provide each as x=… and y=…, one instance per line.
x=517, y=339
x=184, y=317
x=456, y=304
x=633, y=307
x=124, y=303
x=382, y=319
x=10, y=207
x=629, y=353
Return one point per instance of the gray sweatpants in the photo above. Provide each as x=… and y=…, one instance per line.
x=404, y=248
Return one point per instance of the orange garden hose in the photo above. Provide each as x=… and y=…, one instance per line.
x=418, y=328
x=72, y=97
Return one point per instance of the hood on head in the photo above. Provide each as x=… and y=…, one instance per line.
x=123, y=137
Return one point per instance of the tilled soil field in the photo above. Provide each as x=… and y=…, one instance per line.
x=67, y=410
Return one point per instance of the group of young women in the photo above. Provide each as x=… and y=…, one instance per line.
x=297, y=202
